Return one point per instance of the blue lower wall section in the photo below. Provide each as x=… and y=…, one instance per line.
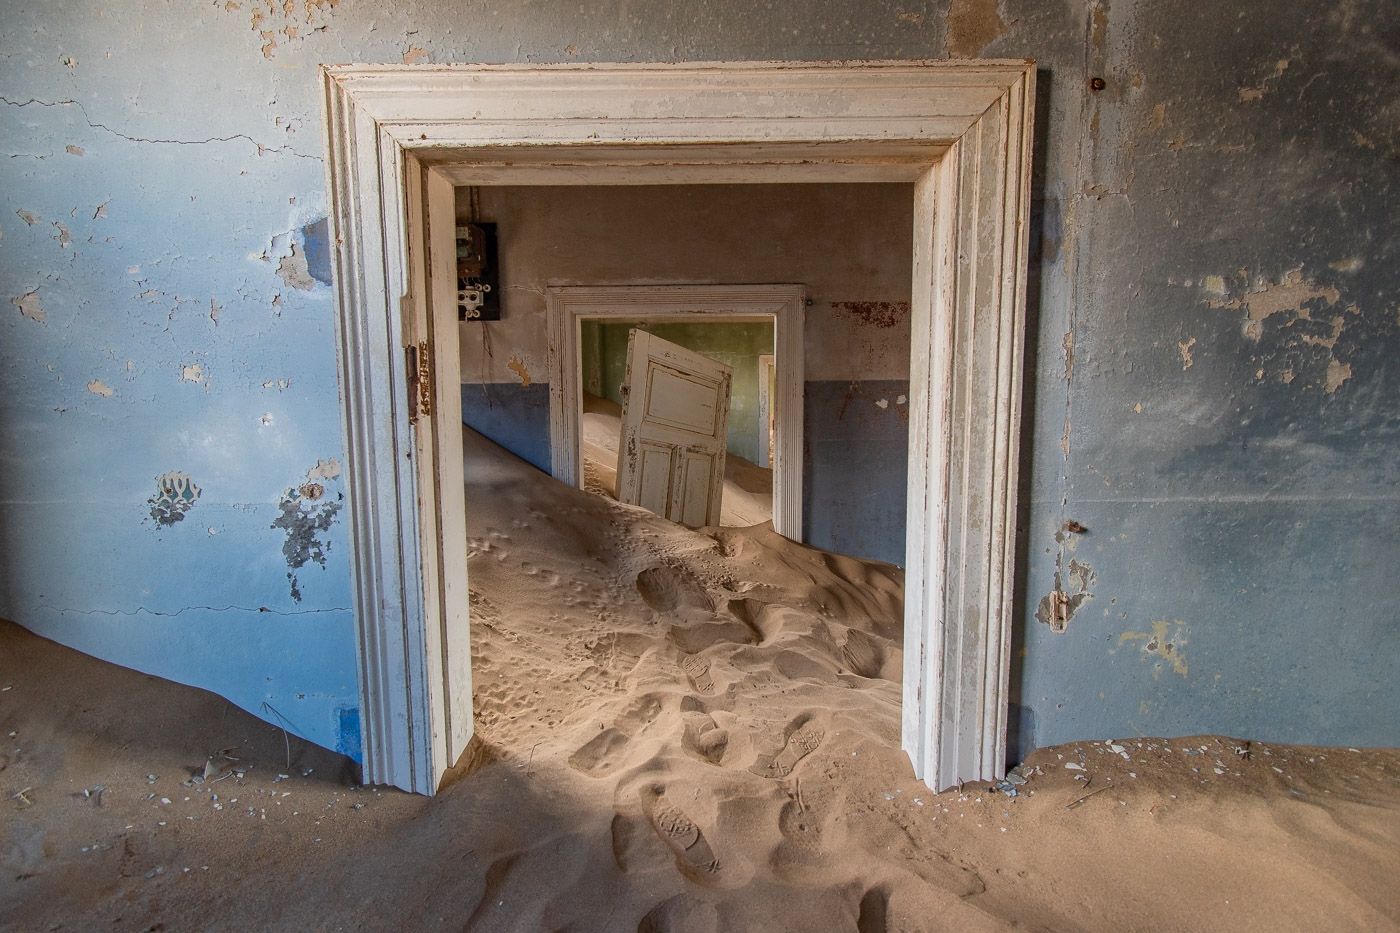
x=855, y=465
x=512, y=415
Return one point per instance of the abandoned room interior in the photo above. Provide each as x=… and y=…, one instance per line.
x=839, y=466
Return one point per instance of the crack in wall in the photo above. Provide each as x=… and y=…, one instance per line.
x=262, y=148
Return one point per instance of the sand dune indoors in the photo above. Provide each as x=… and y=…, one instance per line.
x=677, y=730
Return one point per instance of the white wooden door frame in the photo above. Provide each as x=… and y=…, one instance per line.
x=960, y=131
x=784, y=306
x=765, y=375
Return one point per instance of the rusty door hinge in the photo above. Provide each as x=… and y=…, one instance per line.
x=419, y=366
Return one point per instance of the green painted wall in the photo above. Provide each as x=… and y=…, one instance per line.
x=738, y=345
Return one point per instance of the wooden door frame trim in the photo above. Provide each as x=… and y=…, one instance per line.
x=567, y=307
x=960, y=130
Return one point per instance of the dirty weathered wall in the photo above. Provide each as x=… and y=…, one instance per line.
x=1212, y=370
x=848, y=244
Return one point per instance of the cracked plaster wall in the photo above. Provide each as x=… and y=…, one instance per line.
x=1212, y=365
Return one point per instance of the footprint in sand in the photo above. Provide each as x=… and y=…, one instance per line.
x=694, y=857
x=604, y=752
x=704, y=738
x=801, y=743
x=698, y=670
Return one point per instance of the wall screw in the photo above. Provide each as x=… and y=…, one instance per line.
x=1097, y=84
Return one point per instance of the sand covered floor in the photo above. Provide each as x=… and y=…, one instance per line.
x=677, y=731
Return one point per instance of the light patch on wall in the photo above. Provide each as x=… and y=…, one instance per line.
x=1165, y=645
x=64, y=235
x=29, y=217
x=1269, y=82
x=191, y=373
x=413, y=55
x=278, y=384
x=972, y=25
x=176, y=494
x=73, y=150
x=214, y=309
x=98, y=387
x=28, y=305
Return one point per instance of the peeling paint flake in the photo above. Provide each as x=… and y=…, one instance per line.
x=1337, y=373
x=73, y=150
x=98, y=387
x=517, y=366
x=304, y=520
x=191, y=373
x=294, y=271
x=176, y=494
x=324, y=469
x=29, y=217
x=1185, y=348
x=413, y=55
x=28, y=305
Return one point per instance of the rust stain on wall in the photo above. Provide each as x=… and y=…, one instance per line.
x=874, y=313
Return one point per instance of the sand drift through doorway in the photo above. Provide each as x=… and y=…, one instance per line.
x=401, y=137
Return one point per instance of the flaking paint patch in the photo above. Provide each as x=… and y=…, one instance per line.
x=1298, y=300
x=304, y=520
x=28, y=305
x=191, y=373
x=73, y=150
x=29, y=217
x=1072, y=588
x=176, y=493
x=1162, y=643
x=98, y=387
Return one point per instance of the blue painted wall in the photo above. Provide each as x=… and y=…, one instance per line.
x=1215, y=238
x=856, y=467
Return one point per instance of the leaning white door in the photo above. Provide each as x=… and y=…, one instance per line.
x=675, y=423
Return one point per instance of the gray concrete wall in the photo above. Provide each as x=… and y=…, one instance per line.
x=1212, y=370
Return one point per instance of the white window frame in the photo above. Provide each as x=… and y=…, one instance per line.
x=400, y=137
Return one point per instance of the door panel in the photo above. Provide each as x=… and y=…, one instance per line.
x=675, y=423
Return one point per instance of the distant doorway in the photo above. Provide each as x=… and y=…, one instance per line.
x=781, y=307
